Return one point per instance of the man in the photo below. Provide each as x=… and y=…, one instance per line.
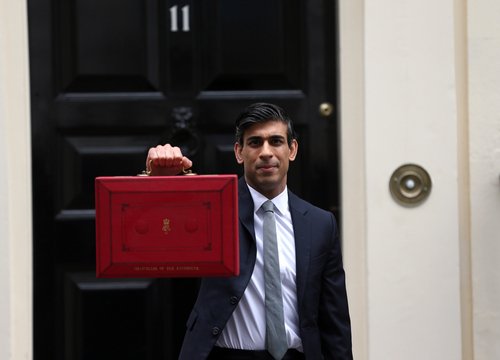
x=228, y=320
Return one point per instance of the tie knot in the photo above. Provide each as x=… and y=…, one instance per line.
x=268, y=206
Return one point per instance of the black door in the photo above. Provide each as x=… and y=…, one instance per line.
x=111, y=78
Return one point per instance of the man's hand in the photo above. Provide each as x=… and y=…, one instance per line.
x=166, y=160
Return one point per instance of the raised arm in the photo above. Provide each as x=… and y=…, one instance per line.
x=166, y=160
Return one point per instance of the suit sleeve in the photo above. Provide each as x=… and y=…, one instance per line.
x=334, y=321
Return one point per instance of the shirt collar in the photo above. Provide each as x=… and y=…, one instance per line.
x=280, y=201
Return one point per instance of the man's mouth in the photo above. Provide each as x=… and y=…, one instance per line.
x=266, y=167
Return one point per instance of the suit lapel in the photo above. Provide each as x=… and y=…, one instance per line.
x=246, y=228
x=302, y=233
x=245, y=207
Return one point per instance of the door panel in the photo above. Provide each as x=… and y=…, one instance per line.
x=109, y=79
x=107, y=46
x=251, y=46
x=99, y=324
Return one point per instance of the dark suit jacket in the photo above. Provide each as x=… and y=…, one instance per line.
x=322, y=302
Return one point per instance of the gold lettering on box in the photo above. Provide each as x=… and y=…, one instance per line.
x=187, y=268
x=166, y=226
x=166, y=268
x=145, y=268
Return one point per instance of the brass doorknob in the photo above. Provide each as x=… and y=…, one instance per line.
x=410, y=184
x=325, y=109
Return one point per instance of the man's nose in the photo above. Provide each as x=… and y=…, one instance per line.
x=266, y=149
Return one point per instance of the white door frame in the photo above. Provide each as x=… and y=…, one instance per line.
x=16, y=321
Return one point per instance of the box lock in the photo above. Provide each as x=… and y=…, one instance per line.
x=410, y=185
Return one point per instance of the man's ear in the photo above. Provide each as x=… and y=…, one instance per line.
x=294, y=148
x=237, y=152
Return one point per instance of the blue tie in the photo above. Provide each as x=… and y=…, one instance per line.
x=275, y=325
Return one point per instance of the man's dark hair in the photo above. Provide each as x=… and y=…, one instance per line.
x=260, y=113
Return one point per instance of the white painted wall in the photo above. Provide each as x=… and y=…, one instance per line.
x=403, y=83
x=15, y=185
x=352, y=134
x=420, y=82
x=412, y=254
x=484, y=109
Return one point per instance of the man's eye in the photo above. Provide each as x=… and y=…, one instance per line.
x=254, y=142
x=277, y=141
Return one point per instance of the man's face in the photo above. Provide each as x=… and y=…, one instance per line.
x=265, y=155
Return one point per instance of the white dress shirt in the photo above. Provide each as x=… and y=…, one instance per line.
x=246, y=328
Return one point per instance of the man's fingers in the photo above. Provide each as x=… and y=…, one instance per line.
x=177, y=157
x=172, y=156
x=186, y=163
x=163, y=153
x=167, y=156
x=152, y=158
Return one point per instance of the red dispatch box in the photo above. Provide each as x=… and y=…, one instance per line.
x=167, y=226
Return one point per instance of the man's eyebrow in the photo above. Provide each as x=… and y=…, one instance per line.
x=254, y=137
x=260, y=138
x=273, y=136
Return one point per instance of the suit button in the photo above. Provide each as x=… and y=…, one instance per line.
x=215, y=330
x=233, y=300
